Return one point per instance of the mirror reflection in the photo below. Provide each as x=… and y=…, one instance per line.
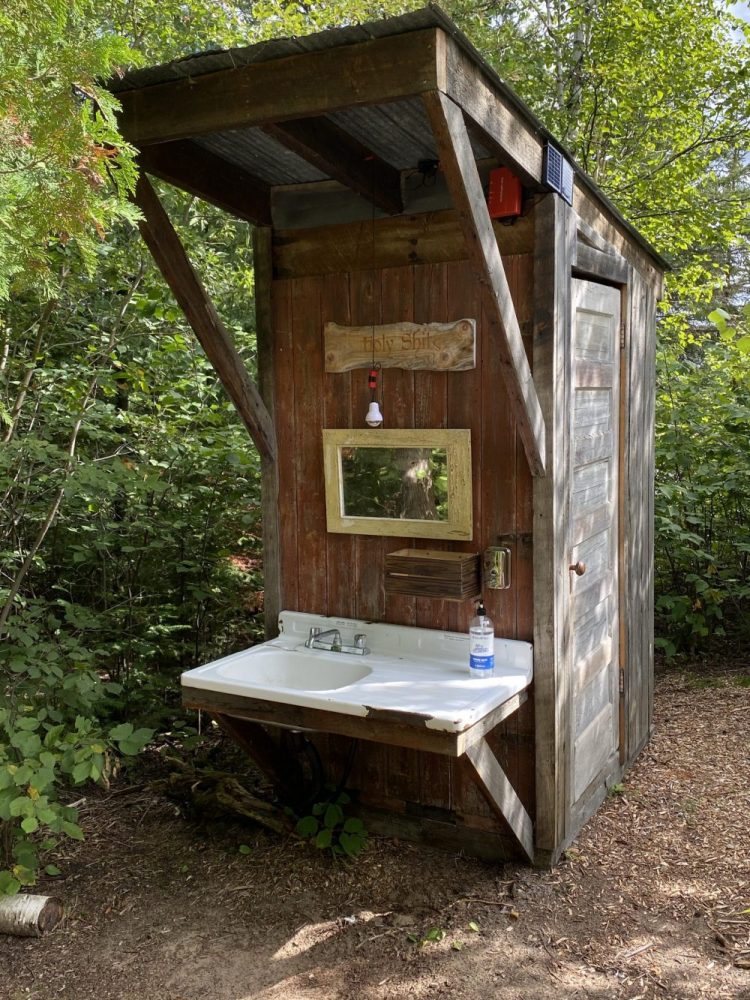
x=401, y=483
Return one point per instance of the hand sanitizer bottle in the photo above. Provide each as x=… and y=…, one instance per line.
x=481, y=644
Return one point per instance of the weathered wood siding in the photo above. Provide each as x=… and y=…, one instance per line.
x=344, y=574
x=638, y=512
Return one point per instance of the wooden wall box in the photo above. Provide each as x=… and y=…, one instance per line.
x=451, y=576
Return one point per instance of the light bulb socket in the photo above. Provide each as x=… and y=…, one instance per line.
x=374, y=417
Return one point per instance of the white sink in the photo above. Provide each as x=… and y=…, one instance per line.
x=422, y=672
x=295, y=669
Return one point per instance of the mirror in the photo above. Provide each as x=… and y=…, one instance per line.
x=413, y=483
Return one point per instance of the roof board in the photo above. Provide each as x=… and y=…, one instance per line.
x=431, y=16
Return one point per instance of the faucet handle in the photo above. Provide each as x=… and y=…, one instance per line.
x=314, y=630
x=359, y=640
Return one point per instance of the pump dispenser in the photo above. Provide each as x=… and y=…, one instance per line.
x=481, y=644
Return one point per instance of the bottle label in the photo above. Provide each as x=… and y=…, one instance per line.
x=482, y=662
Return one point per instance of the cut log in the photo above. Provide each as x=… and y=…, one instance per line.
x=29, y=916
x=216, y=792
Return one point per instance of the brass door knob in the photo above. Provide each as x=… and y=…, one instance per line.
x=578, y=568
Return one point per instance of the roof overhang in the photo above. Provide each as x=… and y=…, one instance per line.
x=233, y=126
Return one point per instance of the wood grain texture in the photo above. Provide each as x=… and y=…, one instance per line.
x=411, y=733
x=413, y=346
x=285, y=420
x=386, y=777
x=187, y=288
x=269, y=470
x=312, y=558
x=515, y=140
x=594, y=608
x=501, y=795
x=431, y=238
x=342, y=549
x=397, y=396
x=458, y=163
x=601, y=225
x=202, y=173
x=339, y=155
x=600, y=266
x=552, y=371
x=298, y=86
x=639, y=527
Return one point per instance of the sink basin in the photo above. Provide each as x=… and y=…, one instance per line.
x=410, y=673
x=295, y=670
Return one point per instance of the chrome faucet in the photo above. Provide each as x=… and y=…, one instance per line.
x=330, y=640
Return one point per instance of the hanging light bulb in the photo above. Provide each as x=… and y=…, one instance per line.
x=374, y=417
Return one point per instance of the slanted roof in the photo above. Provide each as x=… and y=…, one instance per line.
x=340, y=104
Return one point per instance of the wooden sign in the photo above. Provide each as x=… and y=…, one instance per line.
x=442, y=347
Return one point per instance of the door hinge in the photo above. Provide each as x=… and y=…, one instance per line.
x=622, y=681
x=622, y=336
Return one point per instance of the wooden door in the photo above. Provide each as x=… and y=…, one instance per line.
x=594, y=594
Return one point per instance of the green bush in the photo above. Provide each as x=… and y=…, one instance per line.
x=51, y=738
x=702, y=502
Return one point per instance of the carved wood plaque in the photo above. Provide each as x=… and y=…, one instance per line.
x=443, y=347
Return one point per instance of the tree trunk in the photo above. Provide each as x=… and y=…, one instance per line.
x=29, y=916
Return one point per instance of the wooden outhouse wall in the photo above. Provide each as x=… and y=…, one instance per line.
x=418, y=272
x=343, y=575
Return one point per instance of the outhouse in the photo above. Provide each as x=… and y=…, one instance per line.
x=422, y=243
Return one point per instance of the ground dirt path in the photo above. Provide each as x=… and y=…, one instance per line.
x=648, y=903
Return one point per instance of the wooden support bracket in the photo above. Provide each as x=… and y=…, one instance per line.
x=462, y=176
x=186, y=286
x=282, y=771
x=501, y=795
x=334, y=152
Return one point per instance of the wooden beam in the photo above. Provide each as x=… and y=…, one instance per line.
x=591, y=263
x=210, y=177
x=186, y=286
x=298, y=86
x=501, y=795
x=555, y=238
x=485, y=725
x=398, y=729
x=342, y=157
x=431, y=238
x=459, y=166
x=498, y=121
x=282, y=770
x=269, y=471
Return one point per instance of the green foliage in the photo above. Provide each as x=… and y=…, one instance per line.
x=50, y=738
x=703, y=482
x=129, y=535
x=330, y=829
x=60, y=180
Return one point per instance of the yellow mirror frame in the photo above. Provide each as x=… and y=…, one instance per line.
x=457, y=444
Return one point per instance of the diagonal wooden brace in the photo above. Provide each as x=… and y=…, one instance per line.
x=186, y=286
x=459, y=166
x=501, y=795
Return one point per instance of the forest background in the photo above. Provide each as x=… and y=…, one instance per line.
x=129, y=490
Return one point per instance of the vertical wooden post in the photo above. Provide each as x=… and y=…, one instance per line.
x=263, y=264
x=555, y=238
